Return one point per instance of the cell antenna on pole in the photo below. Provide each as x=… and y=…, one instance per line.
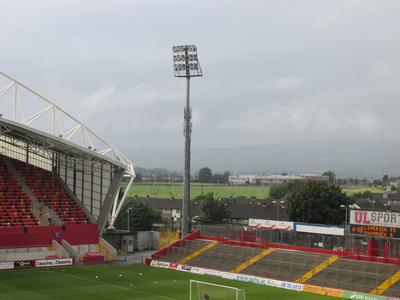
x=186, y=64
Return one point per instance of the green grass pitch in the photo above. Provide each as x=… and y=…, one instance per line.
x=166, y=191
x=120, y=282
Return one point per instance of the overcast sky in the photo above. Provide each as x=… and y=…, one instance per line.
x=274, y=71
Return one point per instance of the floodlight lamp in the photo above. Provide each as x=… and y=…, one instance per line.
x=186, y=62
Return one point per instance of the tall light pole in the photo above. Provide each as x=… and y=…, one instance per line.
x=128, y=211
x=186, y=64
x=278, y=204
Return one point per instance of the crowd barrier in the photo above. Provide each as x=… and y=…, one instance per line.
x=271, y=282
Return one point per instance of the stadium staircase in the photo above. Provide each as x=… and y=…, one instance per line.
x=36, y=205
x=310, y=274
x=224, y=257
x=108, y=251
x=188, y=258
x=393, y=290
x=48, y=190
x=285, y=265
x=184, y=249
x=387, y=284
x=252, y=260
x=15, y=205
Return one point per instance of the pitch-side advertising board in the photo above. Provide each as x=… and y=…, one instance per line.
x=44, y=263
x=272, y=282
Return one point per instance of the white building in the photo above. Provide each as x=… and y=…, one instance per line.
x=274, y=179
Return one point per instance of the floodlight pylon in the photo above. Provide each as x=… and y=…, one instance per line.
x=186, y=64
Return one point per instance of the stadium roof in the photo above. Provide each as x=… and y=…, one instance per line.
x=49, y=141
x=29, y=116
x=47, y=122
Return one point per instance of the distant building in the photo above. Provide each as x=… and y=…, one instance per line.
x=274, y=179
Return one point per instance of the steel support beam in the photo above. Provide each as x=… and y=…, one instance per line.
x=109, y=199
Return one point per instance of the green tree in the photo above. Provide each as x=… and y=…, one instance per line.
x=138, y=178
x=213, y=210
x=331, y=175
x=279, y=191
x=205, y=175
x=385, y=180
x=316, y=202
x=141, y=216
x=226, y=175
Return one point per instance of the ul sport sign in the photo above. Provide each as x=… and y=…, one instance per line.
x=375, y=218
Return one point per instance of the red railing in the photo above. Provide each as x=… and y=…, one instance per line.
x=192, y=236
x=356, y=253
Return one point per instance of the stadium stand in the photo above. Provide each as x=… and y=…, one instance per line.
x=252, y=260
x=394, y=290
x=224, y=257
x=186, y=248
x=48, y=190
x=287, y=265
x=59, y=181
x=313, y=267
x=15, y=205
x=354, y=275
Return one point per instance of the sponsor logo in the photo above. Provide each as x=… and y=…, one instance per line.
x=53, y=262
x=361, y=296
x=160, y=264
x=173, y=266
x=6, y=265
x=375, y=218
x=186, y=268
x=212, y=272
x=271, y=224
x=323, y=291
x=23, y=264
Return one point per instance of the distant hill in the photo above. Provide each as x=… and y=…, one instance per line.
x=347, y=158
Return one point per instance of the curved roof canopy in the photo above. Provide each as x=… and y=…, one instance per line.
x=30, y=116
x=26, y=110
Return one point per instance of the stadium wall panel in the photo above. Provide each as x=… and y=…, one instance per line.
x=40, y=236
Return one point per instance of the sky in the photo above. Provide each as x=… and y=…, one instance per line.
x=274, y=71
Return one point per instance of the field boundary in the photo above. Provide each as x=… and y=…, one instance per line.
x=325, y=291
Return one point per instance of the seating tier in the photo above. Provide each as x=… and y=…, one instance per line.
x=51, y=193
x=15, y=205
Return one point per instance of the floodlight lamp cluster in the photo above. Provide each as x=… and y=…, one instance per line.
x=186, y=62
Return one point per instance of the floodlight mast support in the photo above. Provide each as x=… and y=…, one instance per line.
x=186, y=65
x=186, y=177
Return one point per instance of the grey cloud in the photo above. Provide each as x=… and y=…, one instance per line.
x=275, y=71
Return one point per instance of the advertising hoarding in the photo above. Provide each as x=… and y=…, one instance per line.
x=375, y=218
x=43, y=263
x=271, y=224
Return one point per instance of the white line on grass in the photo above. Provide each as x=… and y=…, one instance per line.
x=113, y=285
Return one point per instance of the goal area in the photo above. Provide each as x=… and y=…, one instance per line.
x=200, y=290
